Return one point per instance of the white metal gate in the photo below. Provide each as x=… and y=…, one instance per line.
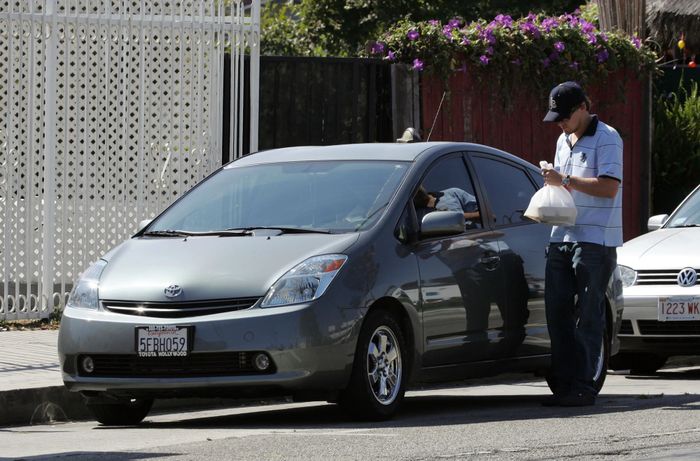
x=109, y=109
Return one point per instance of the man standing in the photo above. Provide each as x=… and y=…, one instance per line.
x=582, y=257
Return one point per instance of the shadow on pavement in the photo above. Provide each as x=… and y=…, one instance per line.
x=433, y=410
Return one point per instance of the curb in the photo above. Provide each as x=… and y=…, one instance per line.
x=41, y=405
x=54, y=404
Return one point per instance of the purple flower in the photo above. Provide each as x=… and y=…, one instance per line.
x=390, y=56
x=434, y=22
x=484, y=59
x=586, y=27
x=417, y=64
x=591, y=39
x=559, y=46
x=602, y=55
x=377, y=48
x=455, y=23
x=572, y=20
x=489, y=50
x=447, y=31
x=530, y=28
x=504, y=20
x=490, y=37
x=604, y=37
x=546, y=62
x=413, y=35
x=636, y=42
x=465, y=41
x=549, y=24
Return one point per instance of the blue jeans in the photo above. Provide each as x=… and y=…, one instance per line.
x=576, y=278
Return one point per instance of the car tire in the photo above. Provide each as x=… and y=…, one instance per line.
x=120, y=412
x=377, y=383
x=638, y=363
x=602, y=364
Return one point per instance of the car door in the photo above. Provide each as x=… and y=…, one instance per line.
x=460, y=278
x=507, y=188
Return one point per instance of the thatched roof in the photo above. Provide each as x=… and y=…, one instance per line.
x=668, y=19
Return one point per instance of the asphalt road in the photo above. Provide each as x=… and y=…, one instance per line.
x=656, y=417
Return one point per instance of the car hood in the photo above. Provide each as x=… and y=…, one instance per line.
x=662, y=249
x=209, y=267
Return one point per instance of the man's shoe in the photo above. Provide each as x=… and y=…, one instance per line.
x=576, y=399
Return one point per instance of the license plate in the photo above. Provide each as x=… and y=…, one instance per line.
x=675, y=308
x=163, y=341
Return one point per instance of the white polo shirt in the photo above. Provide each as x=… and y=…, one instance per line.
x=597, y=153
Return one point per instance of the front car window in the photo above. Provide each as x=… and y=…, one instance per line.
x=688, y=215
x=338, y=196
x=448, y=187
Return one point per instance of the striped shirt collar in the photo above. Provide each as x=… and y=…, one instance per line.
x=590, y=131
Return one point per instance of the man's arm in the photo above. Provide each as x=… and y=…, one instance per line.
x=602, y=186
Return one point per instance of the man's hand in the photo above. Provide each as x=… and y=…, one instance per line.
x=552, y=177
x=598, y=187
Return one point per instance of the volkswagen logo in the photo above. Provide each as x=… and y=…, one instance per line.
x=687, y=277
x=173, y=291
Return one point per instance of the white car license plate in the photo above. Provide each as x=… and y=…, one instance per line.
x=674, y=308
x=163, y=341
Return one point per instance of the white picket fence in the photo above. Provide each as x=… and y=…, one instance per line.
x=109, y=110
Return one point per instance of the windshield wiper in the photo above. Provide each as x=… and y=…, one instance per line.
x=284, y=230
x=167, y=233
x=181, y=233
x=688, y=225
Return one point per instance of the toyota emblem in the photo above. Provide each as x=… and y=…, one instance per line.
x=173, y=291
x=688, y=277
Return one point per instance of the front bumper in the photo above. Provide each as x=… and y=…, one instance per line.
x=641, y=331
x=311, y=348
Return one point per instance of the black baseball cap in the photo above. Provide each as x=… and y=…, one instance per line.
x=563, y=99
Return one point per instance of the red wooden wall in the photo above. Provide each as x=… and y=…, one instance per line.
x=475, y=112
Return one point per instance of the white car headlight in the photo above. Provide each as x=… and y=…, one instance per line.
x=305, y=282
x=628, y=275
x=84, y=293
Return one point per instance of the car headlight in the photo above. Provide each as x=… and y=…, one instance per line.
x=84, y=293
x=628, y=275
x=305, y=282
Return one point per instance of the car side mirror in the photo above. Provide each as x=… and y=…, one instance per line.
x=442, y=224
x=143, y=223
x=655, y=222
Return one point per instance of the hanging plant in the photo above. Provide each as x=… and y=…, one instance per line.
x=535, y=51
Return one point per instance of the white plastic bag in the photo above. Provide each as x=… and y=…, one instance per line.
x=552, y=204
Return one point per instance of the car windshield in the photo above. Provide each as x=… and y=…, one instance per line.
x=688, y=215
x=324, y=196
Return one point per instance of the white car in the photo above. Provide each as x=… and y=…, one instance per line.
x=661, y=316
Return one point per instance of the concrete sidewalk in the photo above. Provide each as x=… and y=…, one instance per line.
x=31, y=389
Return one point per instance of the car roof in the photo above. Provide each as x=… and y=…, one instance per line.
x=406, y=152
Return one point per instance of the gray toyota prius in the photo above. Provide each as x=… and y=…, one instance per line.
x=342, y=273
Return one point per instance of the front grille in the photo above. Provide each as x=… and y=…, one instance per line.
x=194, y=365
x=626, y=327
x=178, y=309
x=658, y=277
x=654, y=327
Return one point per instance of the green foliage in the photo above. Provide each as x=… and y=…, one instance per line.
x=283, y=34
x=534, y=52
x=675, y=147
x=344, y=27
